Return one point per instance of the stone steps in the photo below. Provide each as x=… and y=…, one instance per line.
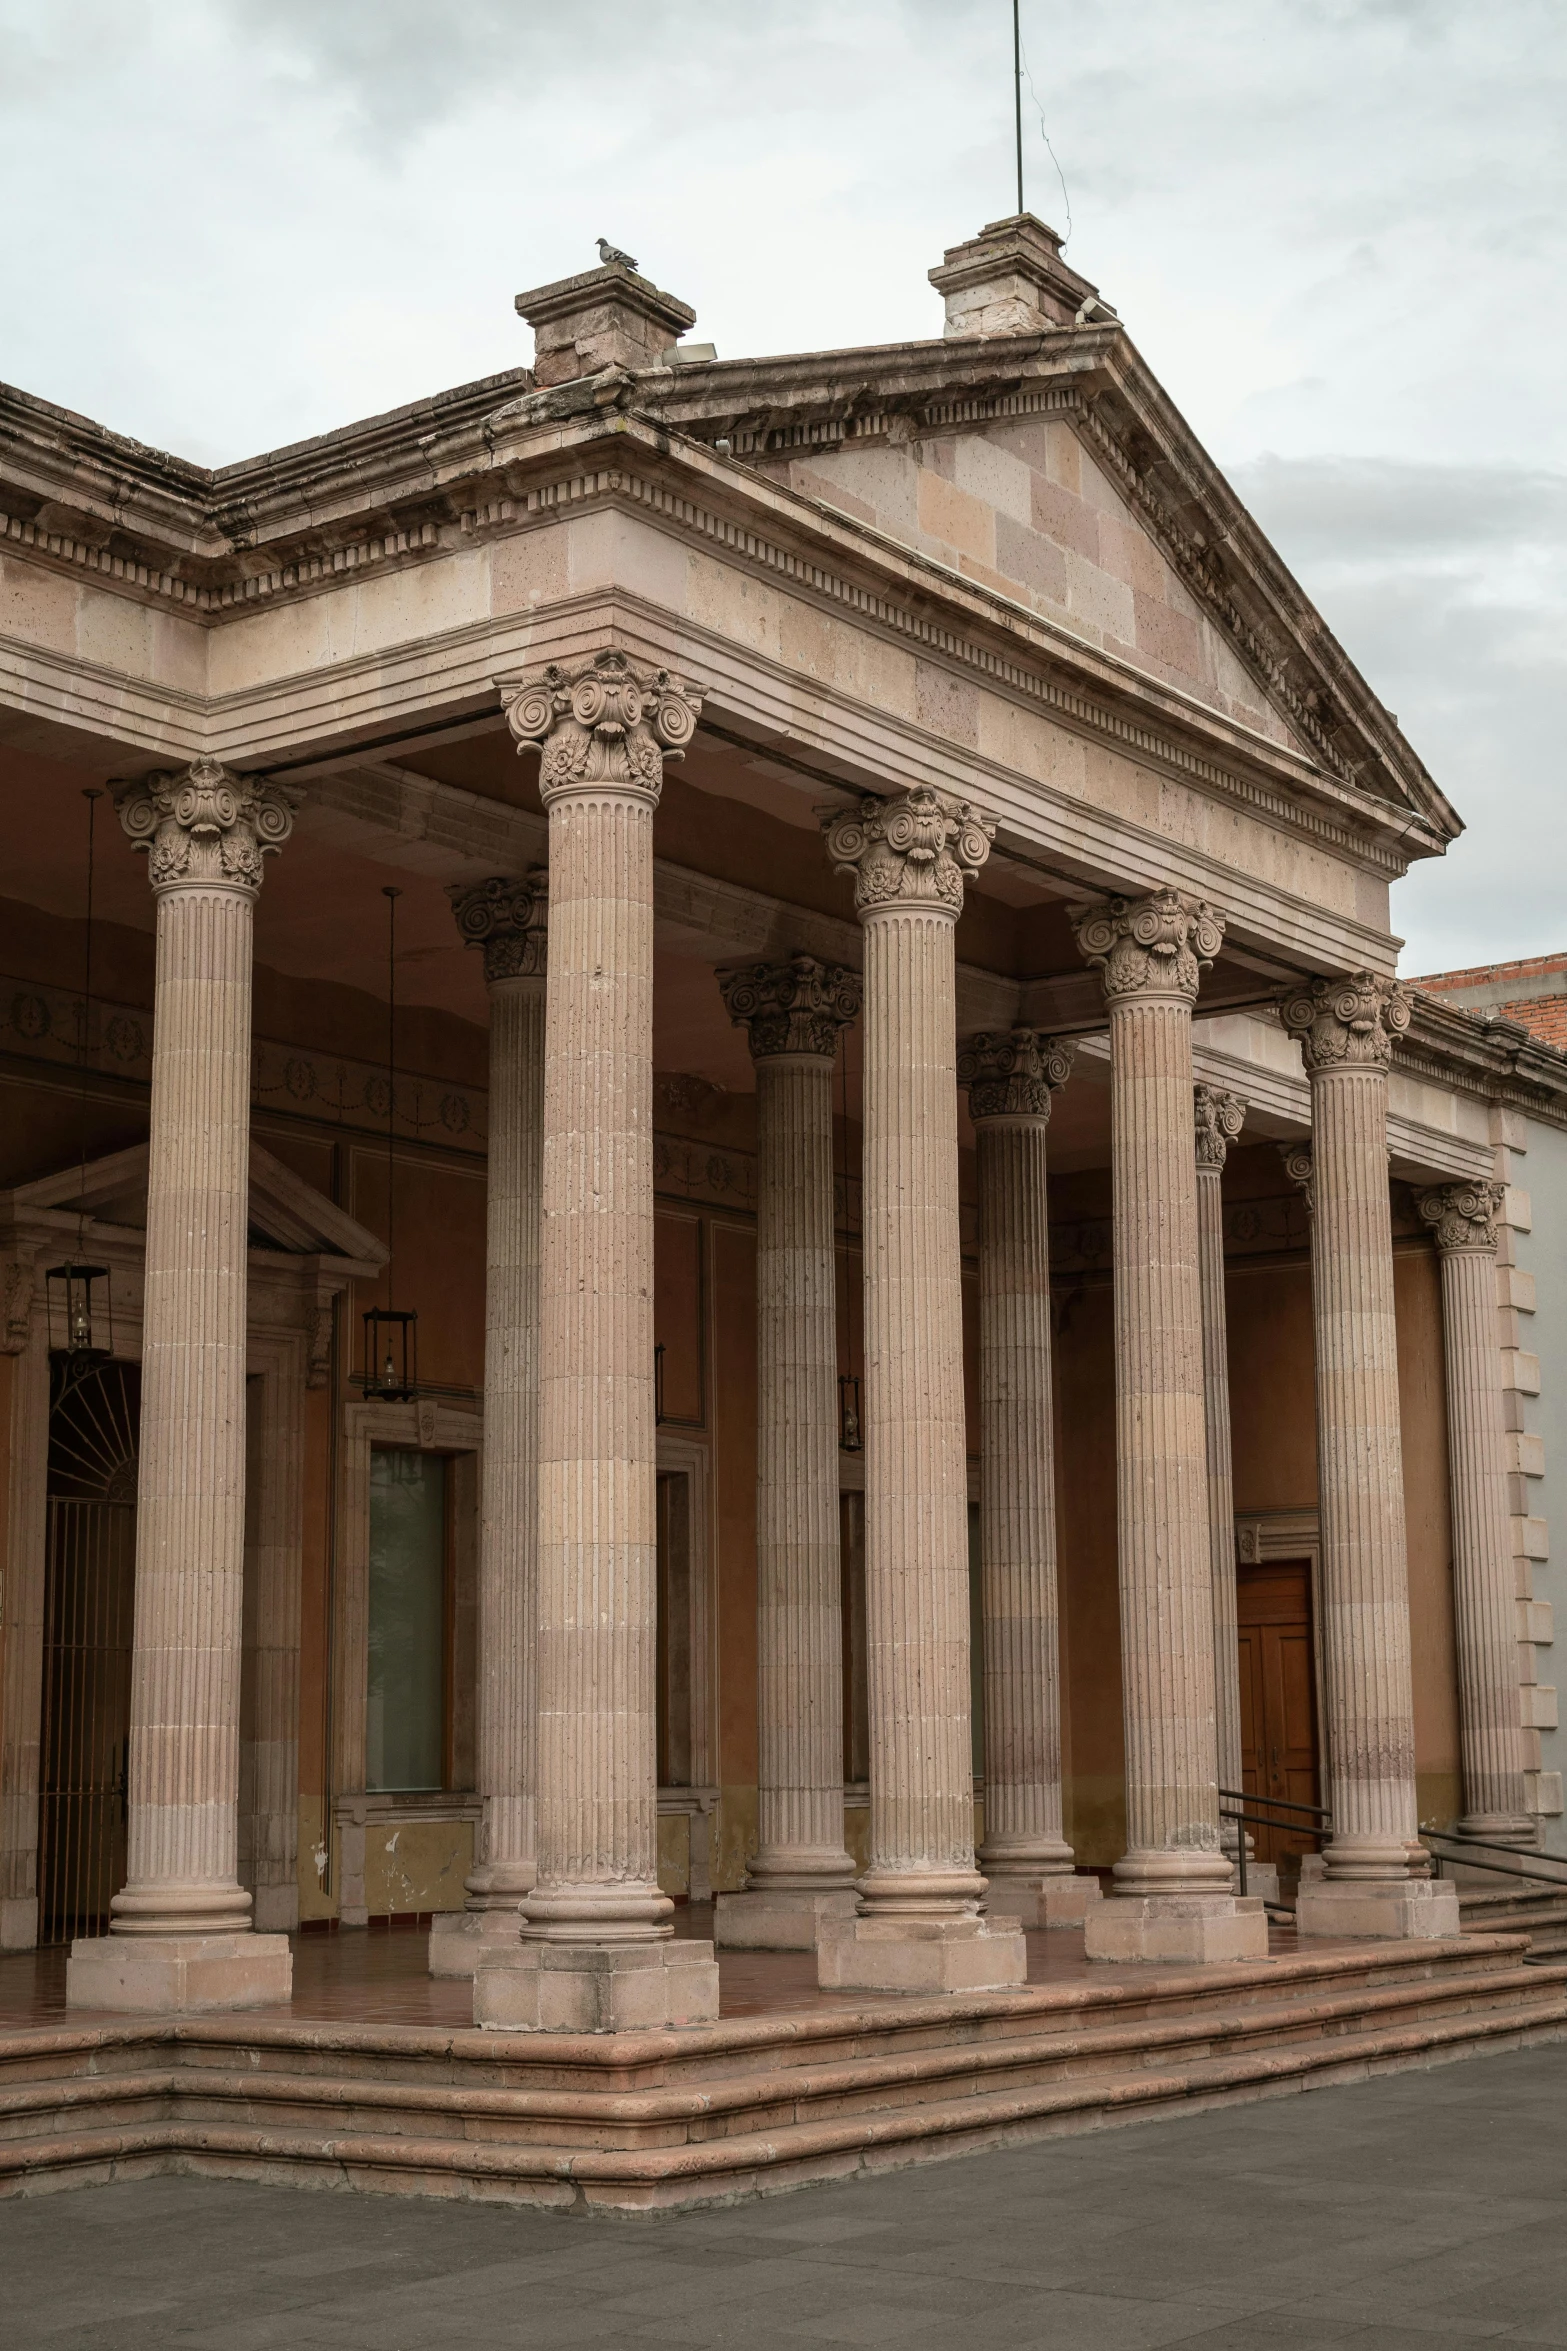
x=1538, y=1910
x=662, y=2120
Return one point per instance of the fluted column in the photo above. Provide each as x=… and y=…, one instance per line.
x=1463, y=1220
x=595, y=1954
x=1219, y=1119
x=801, y=1872
x=180, y=1931
x=1346, y=1030
x=1010, y=1076
x=1172, y=1885
x=508, y=919
x=920, y=1927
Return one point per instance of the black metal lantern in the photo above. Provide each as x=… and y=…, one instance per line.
x=81, y=1324
x=850, y=1439
x=391, y=1354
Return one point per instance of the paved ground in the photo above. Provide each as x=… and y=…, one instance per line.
x=1420, y=2209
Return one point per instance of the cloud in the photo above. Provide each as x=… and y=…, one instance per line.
x=1449, y=586
x=1337, y=230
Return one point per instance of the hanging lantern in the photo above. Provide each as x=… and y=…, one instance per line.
x=391, y=1370
x=849, y=1437
x=81, y=1324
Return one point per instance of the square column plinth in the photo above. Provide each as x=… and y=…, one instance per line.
x=922, y=1955
x=539, y=1987
x=174, y=1975
x=461, y=1941
x=1420, y=1909
x=1066, y=1900
x=1176, y=1928
x=779, y=1918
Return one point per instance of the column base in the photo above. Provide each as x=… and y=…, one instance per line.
x=779, y=1918
x=18, y=1922
x=274, y=1910
x=532, y=1987
x=463, y=1940
x=1397, y=1909
x=171, y=1975
x=922, y=1955
x=1172, y=1929
x=1060, y=1901
x=1262, y=1879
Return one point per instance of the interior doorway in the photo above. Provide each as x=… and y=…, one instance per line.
x=89, y=1594
x=1278, y=1696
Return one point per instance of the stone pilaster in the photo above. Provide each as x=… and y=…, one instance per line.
x=1463, y=1220
x=180, y=1933
x=920, y=1927
x=595, y=1953
x=508, y=920
x=1172, y=1886
x=801, y=1873
x=1010, y=1077
x=1219, y=1119
x=1373, y=1882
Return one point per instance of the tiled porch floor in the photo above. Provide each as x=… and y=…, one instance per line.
x=381, y=1978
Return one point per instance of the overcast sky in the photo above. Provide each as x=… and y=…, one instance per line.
x=1335, y=228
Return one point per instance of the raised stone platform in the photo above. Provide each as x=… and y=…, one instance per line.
x=811, y=2086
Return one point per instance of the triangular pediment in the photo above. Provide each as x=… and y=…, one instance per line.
x=285, y=1212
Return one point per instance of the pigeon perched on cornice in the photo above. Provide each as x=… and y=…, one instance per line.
x=609, y=253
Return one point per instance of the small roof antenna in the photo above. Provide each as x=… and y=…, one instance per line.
x=1017, y=96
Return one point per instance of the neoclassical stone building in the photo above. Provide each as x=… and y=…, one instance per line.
x=962, y=1308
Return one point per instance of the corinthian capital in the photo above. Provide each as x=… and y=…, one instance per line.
x=1463, y=1216
x=1347, y=1023
x=1300, y=1167
x=1012, y=1073
x=206, y=826
x=509, y=919
x=608, y=724
x=1154, y=946
x=793, y=1007
x=1220, y=1117
x=915, y=851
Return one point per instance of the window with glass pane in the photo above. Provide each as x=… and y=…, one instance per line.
x=405, y=1729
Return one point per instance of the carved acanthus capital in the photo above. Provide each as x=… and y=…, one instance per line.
x=206, y=827
x=1348, y=1023
x=1012, y=1073
x=606, y=725
x=793, y=1007
x=18, y=1282
x=1299, y=1166
x=912, y=852
x=1153, y=946
x=1220, y=1117
x=509, y=919
x=1463, y=1215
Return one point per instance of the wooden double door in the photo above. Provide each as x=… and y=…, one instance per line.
x=1278, y=1697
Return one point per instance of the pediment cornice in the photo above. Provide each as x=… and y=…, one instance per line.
x=419, y=483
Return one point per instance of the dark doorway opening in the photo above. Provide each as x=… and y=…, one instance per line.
x=89, y=1600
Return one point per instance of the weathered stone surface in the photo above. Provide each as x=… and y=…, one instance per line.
x=793, y=1013
x=909, y=858
x=1346, y=1030
x=508, y=919
x=1463, y=1219
x=206, y=833
x=1010, y=1078
x=1151, y=952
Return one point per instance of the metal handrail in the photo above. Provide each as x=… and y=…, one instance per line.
x=1519, y=1864
x=1279, y=1803
x=1237, y=1811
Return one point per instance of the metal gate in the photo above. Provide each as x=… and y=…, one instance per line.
x=88, y=1610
